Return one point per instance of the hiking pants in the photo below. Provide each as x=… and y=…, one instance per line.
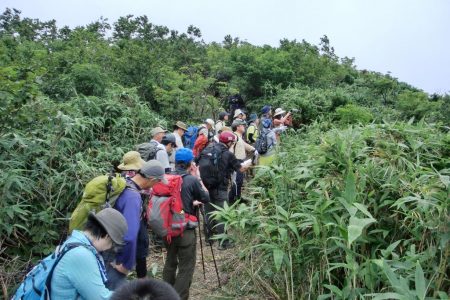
x=218, y=198
x=181, y=255
x=142, y=249
x=235, y=191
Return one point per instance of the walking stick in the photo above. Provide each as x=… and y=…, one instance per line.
x=201, y=244
x=212, y=251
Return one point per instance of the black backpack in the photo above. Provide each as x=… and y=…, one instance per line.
x=148, y=150
x=209, y=165
x=261, y=145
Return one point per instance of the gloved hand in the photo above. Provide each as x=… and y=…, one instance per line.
x=256, y=153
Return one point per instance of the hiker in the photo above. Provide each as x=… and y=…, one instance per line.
x=201, y=142
x=266, y=158
x=280, y=118
x=253, y=129
x=129, y=204
x=181, y=251
x=209, y=123
x=178, y=131
x=151, y=288
x=170, y=144
x=223, y=118
x=131, y=163
x=81, y=272
x=217, y=177
x=239, y=114
x=240, y=150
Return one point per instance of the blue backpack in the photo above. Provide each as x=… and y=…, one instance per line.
x=37, y=283
x=190, y=136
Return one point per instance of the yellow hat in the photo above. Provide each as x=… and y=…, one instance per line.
x=132, y=161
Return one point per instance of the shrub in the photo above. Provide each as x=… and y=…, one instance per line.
x=354, y=114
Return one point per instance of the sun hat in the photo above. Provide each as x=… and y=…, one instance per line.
x=132, y=161
x=279, y=111
x=157, y=130
x=113, y=222
x=181, y=125
x=237, y=112
x=184, y=155
x=266, y=109
x=153, y=168
x=252, y=117
x=210, y=122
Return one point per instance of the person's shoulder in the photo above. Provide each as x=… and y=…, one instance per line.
x=78, y=254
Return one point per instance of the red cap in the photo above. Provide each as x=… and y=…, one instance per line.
x=226, y=137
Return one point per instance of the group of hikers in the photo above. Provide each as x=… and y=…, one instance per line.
x=167, y=183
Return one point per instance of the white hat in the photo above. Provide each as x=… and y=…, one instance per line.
x=279, y=111
x=210, y=122
x=237, y=112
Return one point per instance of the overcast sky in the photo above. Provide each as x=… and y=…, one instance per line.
x=409, y=38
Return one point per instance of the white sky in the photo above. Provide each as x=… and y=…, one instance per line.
x=409, y=38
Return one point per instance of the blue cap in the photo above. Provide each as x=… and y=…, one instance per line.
x=266, y=109
x=267, y=123
x=253, y=117
x=184, y=155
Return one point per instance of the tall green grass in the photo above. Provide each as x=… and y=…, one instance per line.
x=360, y=212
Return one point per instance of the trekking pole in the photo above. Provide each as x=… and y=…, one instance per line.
x=201, y=244
x=212, y=251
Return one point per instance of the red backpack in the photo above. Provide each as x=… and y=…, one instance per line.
x=166, y=216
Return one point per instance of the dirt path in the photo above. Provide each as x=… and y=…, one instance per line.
x=201, y=288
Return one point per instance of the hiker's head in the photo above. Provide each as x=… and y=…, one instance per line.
x=180, y=127
x=238, y=126
x=266, y=109
x=148, y=288
x=184, y=158
x=131, y=161
x=158, y=133
x=238, y=114
x=106, y=228
x=253, y=118
x=209, y=124
x=151, y=173
x=279, y=113
x=223, y=116
x=169, y=142
x=227, y=138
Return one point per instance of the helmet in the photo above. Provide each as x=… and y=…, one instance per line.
x=184, y=155
x=267, y=123
x=226, y=137
x=168, y=139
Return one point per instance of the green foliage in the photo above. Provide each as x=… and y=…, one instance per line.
x=349, y=213
x=88, y=79
x=353, y=114
x=416, y=105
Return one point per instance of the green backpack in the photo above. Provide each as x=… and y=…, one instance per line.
x=100, y=192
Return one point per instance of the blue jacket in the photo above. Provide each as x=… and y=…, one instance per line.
x=129, y=204
x=78, y=275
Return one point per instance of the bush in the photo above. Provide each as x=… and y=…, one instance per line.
x=354, y=114
x=88, y=79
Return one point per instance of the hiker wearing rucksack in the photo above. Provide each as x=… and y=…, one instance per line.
x=129, y=204
x=266, y=143
x=181, y=251
x=76, y=269
x=253, y=129
x=223, y=118
x=240, y=149
x=266, y=113
x=216, y=164
x=179, y=130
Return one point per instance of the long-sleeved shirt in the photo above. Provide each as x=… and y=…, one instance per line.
x=78, y=275
x=240, y=148
x=129, y=204
x=162, y=156
x=191, y=190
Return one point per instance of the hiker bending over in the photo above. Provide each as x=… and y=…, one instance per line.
x=129, y=204
x=181, y=252
x=80, y=274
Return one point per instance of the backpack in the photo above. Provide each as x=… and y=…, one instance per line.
x=165, y=209
x=37, y=283
x=209, y=165
x=100, y=192
x=190, y=136
x=148, y=151
x=262, y=145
